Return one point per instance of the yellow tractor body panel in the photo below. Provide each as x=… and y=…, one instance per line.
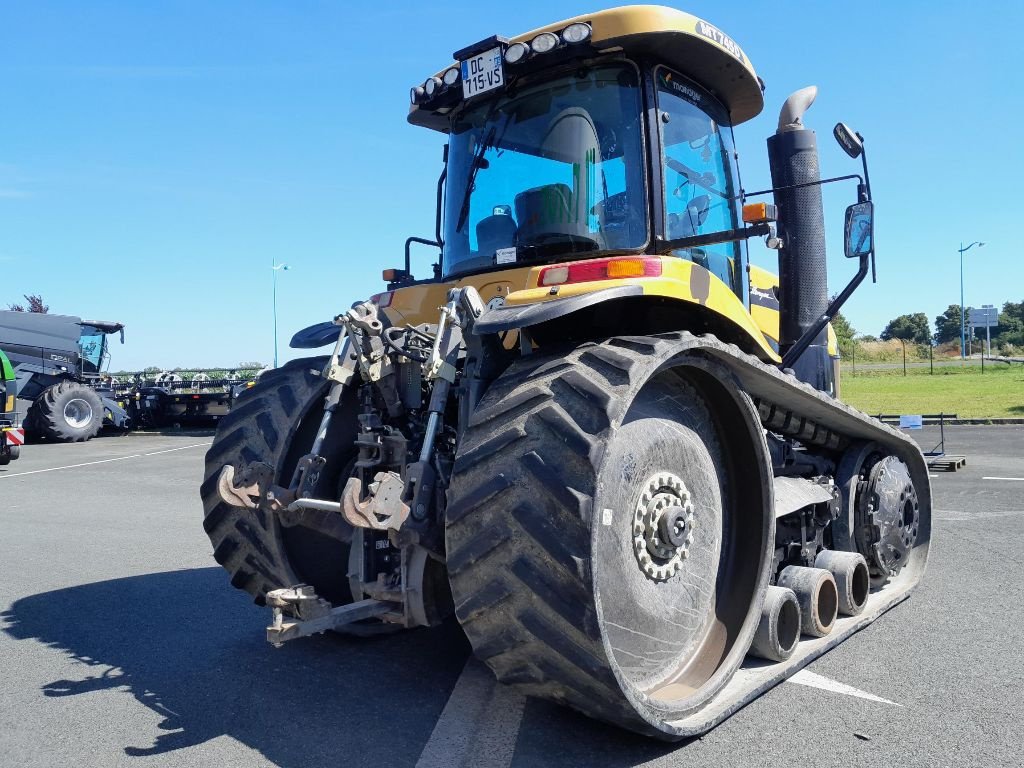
x=417, y=304
x=764, y=308
x=680, y=280
x=764, y=303
x=675, y=38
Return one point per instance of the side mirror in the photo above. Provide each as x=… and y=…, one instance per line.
x=859, y=233
x=698, y=208
x=848, y=140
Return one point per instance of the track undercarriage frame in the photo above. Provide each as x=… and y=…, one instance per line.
x=419, y=386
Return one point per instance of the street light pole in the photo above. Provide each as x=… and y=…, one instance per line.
x=963, y=309
x=274, y=266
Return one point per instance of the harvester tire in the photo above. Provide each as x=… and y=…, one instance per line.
x=274, y=423
x=66, y=412
x=592, y=530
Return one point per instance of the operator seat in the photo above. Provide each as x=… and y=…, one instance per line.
x=556, y=209
x=544, y=210
x=494, y=232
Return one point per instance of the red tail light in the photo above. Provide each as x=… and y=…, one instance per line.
x=601, y=269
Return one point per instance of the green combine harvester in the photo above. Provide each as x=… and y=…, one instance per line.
x=12, y=436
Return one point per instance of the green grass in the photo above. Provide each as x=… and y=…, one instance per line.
x=997, y=393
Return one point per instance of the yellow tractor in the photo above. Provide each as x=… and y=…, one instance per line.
x=595, y=434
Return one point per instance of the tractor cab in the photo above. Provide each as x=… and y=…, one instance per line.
x=92, y=344
x=597, y=155
x=605, y=135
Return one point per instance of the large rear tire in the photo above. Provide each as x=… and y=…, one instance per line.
x=275, y=422
x=564, y=480
x=67, y=412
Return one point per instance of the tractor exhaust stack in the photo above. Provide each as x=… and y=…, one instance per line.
x=803, y=282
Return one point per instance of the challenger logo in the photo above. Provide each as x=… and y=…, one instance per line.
x=762, y=298
x=714, y=33
x=681, y=89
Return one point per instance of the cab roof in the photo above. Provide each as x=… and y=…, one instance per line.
x=679, y=40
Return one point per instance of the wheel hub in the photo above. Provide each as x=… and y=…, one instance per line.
x=891, y=515
x=78, y=413
x=663, y=523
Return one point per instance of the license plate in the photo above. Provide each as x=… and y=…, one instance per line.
x=482, y=73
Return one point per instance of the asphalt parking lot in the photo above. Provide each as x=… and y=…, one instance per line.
x=122, y=643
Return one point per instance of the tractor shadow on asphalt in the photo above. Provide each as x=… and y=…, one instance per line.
x=191, y=649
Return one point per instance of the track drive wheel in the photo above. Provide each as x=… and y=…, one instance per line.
x=884, y=518
x=66, y=412
x=609, y=529
x=275, y=422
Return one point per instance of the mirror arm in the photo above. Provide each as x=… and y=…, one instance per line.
x=794, y=352
x=745, y=195
x=408, y=257
x=440, y=197
x=437, y=242
x=864, y=195
x=726, y=236
x=864, y=162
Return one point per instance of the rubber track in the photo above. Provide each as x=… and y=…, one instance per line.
x=44, y=418
x=257, y=429
x=519, y=511
x=518, y=523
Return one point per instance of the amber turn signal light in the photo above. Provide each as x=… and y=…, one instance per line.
x=759, y=213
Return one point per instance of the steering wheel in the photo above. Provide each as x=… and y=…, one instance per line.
x=688, y=222
x=614, y=209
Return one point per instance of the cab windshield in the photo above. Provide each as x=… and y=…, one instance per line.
x=547, y=170
x=92, y=342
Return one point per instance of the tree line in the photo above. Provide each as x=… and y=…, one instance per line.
x=34, y=303
x=916, y=328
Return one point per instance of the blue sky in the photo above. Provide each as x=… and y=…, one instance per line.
x=156, y=157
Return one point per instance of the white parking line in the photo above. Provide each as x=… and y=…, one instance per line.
x=171, y=450
x=1019, y=479
x=808, y=678
x=99, y=461
x=956, y=515
x=479, y=724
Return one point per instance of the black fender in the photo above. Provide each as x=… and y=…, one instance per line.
x=315, y=336
x=510, y=317
x=33, y=380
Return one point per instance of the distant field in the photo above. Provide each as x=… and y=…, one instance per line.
x=967, y=392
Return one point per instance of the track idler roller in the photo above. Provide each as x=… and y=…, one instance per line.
x=853, y=583
x=815, y=590
x=779, y=630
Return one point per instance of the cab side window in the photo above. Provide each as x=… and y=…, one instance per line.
x=700, y=187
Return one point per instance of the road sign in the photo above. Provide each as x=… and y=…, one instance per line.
x=984, y=317
x=911, y=421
